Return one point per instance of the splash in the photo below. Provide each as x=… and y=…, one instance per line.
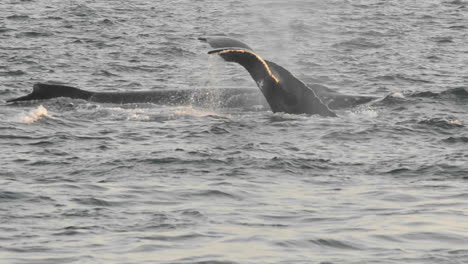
x=456, y=122
x=368, y=112
x=190, y=111
x=35, y=115
x=208, y=97
x=397, y=95
x=138, y=115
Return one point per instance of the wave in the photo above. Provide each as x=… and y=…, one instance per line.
x=12, y=73
x=358, y=43
x=9, y=196
x=175, y=238
x=392, y=99
x=453, y=93
x=296, y=165
x=212, y=194
x=320, y=242
x=33, y=34
x=206, y=262
x=455, y=239
x=401, y=77
x=454, y=140
x=17, y=17
x=429, y=170
x=94, y=202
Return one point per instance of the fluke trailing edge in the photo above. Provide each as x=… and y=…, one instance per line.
x=283, y=91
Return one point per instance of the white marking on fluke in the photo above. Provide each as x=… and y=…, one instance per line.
x=267, y=68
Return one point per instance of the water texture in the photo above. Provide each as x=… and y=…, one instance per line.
x=82, y=182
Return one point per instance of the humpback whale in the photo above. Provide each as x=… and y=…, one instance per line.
x=283, y=91
x=228, y=97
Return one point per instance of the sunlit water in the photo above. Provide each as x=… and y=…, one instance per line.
x=83, y=182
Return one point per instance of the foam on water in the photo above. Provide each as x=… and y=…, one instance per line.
x=34, y=115
x=139, y=116
x=196, y=112
x=366, y=111
x=456, y=122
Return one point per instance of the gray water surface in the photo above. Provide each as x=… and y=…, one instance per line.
x=82, y=182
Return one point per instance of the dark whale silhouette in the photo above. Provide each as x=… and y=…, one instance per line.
x=283, y=91
x=228, y=97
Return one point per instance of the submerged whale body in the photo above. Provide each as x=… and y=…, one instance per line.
x=283, y=91
x=228, y=97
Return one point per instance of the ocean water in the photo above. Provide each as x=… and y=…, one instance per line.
x=385, y=182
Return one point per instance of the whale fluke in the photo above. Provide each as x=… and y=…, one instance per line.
x=283, y=92
x=223, y=42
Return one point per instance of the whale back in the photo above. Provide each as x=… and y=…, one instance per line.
x=43, y=91
x=205, y=97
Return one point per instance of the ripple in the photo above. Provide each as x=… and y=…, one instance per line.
x=459, y=93
x=442, y=170
x=175, y=238
x=358, y=43
x=34, y=34
x=211, y=194
x=443, y=40
x=86, y=213
x=442, y=123
x=55, y=260
x=322, y=243
x=27, y=249
x=12, y=73
x=334, y=244
x=6, y=196
x=17, y=17
x=435, y=236
x=94, y=201
x=298, y=164
x=150, y=248
x=206, y=262
x=401, y=77
x=4, y=29
x=454, y=140
x=192, y=214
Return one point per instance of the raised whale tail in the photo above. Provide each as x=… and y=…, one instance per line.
x=43, y=91
x=283, y=92
x=254, y=64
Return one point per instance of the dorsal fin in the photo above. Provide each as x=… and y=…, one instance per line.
x=43, y=91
